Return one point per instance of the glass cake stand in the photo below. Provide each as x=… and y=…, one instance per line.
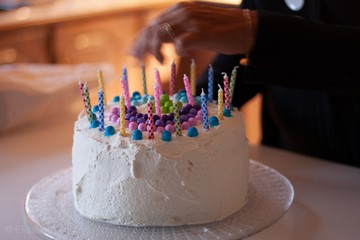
x=50, y=212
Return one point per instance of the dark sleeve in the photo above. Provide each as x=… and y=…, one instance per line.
x=293, y=52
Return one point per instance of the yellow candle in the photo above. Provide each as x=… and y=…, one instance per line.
x=122, y=116
x=101, y=84
x=193, y=77
x=220, y=103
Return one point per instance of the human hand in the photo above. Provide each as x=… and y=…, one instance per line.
x=197, y=26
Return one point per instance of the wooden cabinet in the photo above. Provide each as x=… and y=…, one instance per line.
x=25, y=45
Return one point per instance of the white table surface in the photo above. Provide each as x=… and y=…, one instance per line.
x=326, y=204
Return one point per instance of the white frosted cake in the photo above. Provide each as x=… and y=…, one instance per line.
x=152, y=182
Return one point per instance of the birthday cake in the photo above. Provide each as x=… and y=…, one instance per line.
x=176, y=169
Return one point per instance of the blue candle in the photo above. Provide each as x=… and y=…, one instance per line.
x=210, y=83
x=204, y=109
x=101, y=110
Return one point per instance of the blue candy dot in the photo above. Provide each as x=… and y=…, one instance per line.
x=193, y=132
x=95, y=109
x=166, y=136
x=184, y=99
x=135, y=94
x=116, y=99
x=136, y=135
x=214, y=121
x=94, y=124
x=227, y=113
x=94, y=116
x=109, y=131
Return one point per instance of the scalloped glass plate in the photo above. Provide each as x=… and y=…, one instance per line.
x=51, y=213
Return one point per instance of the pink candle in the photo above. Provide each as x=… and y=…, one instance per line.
x=158, y=81
x=150, y=126
x=125, y=91
x=157, y=100
x=226, y=91
x=81, y=87
x=188, y=90
x=172, y=78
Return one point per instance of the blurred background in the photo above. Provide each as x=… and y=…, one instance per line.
x=55, y=33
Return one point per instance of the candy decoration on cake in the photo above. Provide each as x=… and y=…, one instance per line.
x=226, y=91
x=210, y=83
x=87, y=102
x=122, y=116
x=214, y=121
x=157, y=100
x=109, y=131
x=125, y=76
x=101, y=83
x=125, y=91
x=220, y=103
x=143, y=74
x=177, y=118
x=166, y=136
x=188, y=90
x=193, y=132
x=204, y=110
x=172, y=78
x=232, y=82
x=136, y=135
x=158, y=81
x=193, y=77
x=151, y=125
x=101, y=110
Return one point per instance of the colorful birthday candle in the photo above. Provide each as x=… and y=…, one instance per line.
x=193, y=77
x=210, y=83
x=125, y=91
x=143, y=74
x=81, y=87
x=101, y=83
x=157, y=100
x=158, y=81
x=87, y=103
x=204, y=110
x=188, y=90
x=226, y=91
x=177, y=117
x=232, y=82
x=172, y=78
x=125, y=76
x=101, y=110
x=220, y=103
x=122, y=116
x=151, y=125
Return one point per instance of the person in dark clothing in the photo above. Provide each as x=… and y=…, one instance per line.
x=304, y=62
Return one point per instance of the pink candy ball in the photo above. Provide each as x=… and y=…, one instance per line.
x=142, y=127
x=192, y=122
x=127, y=122
x=133, y=126
x=160, y=129
x=185, y=125
x=113, y=118
x=170, y=128
x=114, y=110
x=199, y=113
x=199, y=117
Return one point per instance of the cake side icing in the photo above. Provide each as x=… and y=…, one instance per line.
x=153, y=182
